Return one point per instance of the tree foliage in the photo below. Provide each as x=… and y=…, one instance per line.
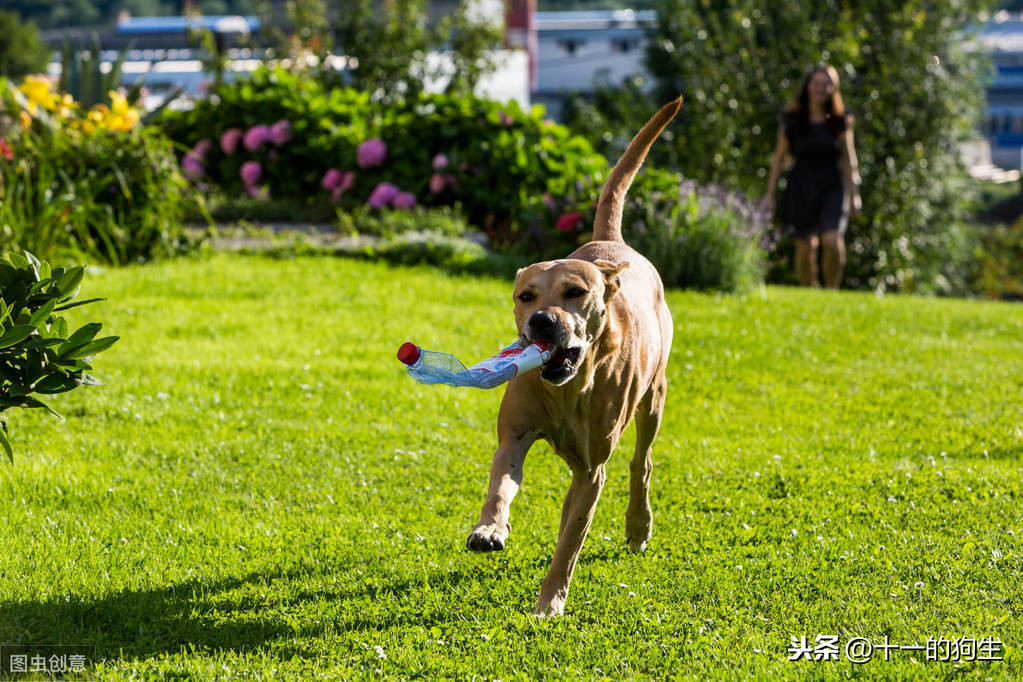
x=21, y=50
x=914, y=87
x=390, y=43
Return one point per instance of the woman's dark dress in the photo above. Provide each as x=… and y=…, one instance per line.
x=814, y=200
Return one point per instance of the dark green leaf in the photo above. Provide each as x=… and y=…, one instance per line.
x=40, y=316
x=78, y=303
x=6, y=443
x=97, y=346
x=70, y=280
x=78, y=340
x=33, y=402
x=18, y=332
x=56, y=383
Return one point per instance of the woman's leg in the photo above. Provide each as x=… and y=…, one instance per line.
x=806, y=260
x=832, y=258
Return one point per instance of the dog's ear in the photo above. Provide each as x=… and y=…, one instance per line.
x=611, y=281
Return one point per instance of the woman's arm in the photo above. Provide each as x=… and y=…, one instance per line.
x=851, y=173
x=781, y=149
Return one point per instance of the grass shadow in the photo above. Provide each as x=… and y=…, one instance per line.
x=199, y=615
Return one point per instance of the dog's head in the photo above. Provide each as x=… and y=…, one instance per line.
x=563, y=304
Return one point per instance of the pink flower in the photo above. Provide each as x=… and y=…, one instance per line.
x=5, y=150
x=191, y=166
x=404, y=200
x=506, y=120
x=201, y=147
x=439, y=182
x=440, y=161
x=371, y=153
x=347, y=180
x=570, y=221
x=250, y=172
x=331, y=179
x=229, y=140
x=256, y=137
x=382, y=195
x=280, y=132
x=337, y=181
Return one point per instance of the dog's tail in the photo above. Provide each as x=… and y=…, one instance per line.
x=607, y=226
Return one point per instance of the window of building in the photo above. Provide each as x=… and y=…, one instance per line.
x=571, y=45
x=624, y=44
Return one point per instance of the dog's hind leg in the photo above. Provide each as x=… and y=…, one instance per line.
x=639, y=518
x=580, y=503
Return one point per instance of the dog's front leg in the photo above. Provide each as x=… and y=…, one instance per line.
x=577, y=513
x=490, y=534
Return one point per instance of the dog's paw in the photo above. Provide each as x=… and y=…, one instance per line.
x=488, y=537
x=554, y=608
x=638, y=527
x=637, y=546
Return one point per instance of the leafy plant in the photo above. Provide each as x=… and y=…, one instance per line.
x=444, y=220
x=739, y=62
x=37, y=352
x=93, y=181
x=1001, y=274
x=82, y=75
x=699, y=237
x=510, y=170
x=22, y=51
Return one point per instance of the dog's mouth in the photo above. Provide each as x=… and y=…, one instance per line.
x=563, y=364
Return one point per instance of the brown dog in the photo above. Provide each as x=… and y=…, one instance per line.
x=602, y=312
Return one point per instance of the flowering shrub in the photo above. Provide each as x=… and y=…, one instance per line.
x=698, y=236
x=337, y=146
x=528, y=183
x=93, y=180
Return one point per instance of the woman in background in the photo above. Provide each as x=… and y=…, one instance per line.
x=822, y=191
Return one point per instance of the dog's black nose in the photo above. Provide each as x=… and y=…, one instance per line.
x=540, y=321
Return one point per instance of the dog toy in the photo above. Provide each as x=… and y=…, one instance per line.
x=433, y=367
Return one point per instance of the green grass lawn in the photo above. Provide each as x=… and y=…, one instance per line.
x=260, y=491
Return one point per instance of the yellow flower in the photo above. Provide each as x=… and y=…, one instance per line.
x=26, y=120
x=98, y=114
x=119, y=103
x=122, y=116
x=37, y=91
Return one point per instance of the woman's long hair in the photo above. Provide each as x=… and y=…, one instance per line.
x=799, y=108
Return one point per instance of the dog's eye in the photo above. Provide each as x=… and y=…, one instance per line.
x=575, y=292
x=526, y=297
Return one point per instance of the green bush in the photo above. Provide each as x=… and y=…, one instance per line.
x=22, y=51
x=224, y=208
x=699, y=237
x=497, y=161
x=738, y=63
x=452, y=254
x=93, y=182
x=1001, y=266
x=446, y=221
x=38, y=353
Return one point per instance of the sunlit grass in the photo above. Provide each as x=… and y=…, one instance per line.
x=260, y=490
